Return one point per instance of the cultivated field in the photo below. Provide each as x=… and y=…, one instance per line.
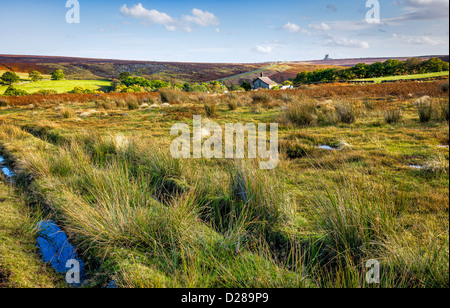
x=60, y=86
x=363, y=175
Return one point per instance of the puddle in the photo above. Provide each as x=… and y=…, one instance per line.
x=54, y=244
x=418, y=167
x=326, y=147
x=58, y=252
x=5, y=169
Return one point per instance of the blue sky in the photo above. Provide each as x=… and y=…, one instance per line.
x=224, y=31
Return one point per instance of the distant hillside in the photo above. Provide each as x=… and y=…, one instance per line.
x=81, y=68
x=230, y=73
x=354, y=61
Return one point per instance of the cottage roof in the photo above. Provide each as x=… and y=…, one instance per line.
x=267, y=81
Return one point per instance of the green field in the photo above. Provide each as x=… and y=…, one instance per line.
x=406, y=77
x=60, y=86
x=24, y=76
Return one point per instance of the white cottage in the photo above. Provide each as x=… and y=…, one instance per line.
x=263, y=83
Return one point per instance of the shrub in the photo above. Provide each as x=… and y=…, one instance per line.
x=12, y=91
x=58, y=75
x=393, y=115
x=46, y=92
x=345, y=113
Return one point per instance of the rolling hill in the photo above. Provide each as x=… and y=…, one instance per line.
x=231, y=73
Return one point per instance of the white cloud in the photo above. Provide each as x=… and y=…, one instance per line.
x=344, y=42
x=424, y=40
x=199, y=17
x=320, y=27
x=202, y=18
x=422, y=10
x=262, y=49
x=290, y=27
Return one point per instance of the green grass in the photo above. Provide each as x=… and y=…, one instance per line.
x=60, y=86
x=20, y=264
x=312, y=222
x=407, y=77
x=24, y=76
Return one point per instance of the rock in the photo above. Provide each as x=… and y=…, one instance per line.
x=88, y=113
x=165, y=105
x=143, y=106
x=154, y=106
x=423, y=100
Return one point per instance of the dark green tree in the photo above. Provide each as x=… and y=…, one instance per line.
x=124, y=75
x=35, y=76
x=9, y=78
x=246, y=85
x=58, y=75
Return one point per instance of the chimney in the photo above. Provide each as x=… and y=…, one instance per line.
x=262, y=75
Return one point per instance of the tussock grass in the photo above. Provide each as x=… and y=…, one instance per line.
x=392, y=115
x=211, y=109
x=261, y=98
x=345, y=112
x=425, y=109
x=301, y=113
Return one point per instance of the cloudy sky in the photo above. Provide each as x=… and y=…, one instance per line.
x=224, y=31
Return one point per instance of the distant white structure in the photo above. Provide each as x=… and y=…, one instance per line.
x=263, y=83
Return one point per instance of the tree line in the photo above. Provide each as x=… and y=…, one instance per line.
x=378, y=69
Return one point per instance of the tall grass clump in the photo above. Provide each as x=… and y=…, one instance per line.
x=211, y=109
x=392, y=115
x=260, y=197
x=355, y=216
x=261, y=98
x=444, y=110
x=66, y=113
x=436, y=165
x=345, y=112
x=287, y=98
x=232, y=105
x=418, y=261
x=425, y=109
x=171, y=96
x=132, y=105
x=301, y=113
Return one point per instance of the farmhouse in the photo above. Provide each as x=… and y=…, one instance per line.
x=263, y=83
